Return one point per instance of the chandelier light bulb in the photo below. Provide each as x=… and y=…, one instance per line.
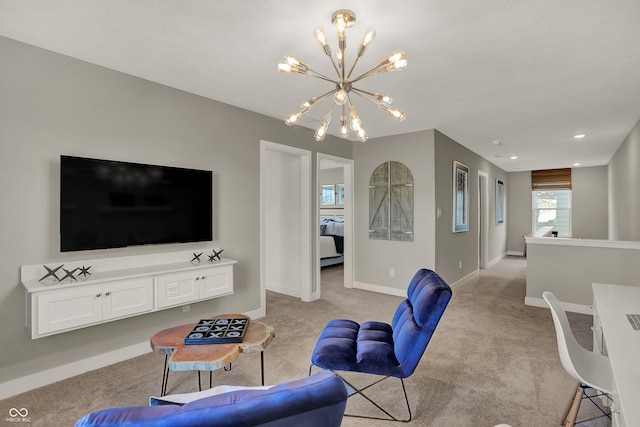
x=369, y=35
x=344, y=130
x=340, y=97
x=291, y=59
x=320, y=35
x=322, y=130
x=362, y=135
x=291, y=119
x=387, y=99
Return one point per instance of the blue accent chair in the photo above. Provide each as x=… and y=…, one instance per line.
x=386, y=350
x=315, y=401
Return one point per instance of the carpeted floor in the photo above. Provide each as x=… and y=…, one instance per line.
x=492, y=359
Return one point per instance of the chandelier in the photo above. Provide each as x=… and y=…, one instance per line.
x=344, y=83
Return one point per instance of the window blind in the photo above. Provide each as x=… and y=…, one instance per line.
x=551, y=179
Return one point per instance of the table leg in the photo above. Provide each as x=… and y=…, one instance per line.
x=262, y=366
x=165, y=376
x=199, y=383
x=210, y=379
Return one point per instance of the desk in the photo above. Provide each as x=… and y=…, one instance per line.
x=611, y=303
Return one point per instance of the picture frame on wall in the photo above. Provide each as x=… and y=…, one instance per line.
x=500, y=206
x=460, y=197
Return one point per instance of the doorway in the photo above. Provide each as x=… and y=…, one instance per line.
x=285, y=226
x=483, y=220
x=326, y=162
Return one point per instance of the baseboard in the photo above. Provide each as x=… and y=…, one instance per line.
x=380, y=289
x=568, y=306
x=474, y=272
x=515, y=253
x=284, y=290
x=496, y=260
x=59, y=373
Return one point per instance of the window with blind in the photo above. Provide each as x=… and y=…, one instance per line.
x=551, y=193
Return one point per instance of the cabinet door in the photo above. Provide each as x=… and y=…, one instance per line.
x=126, y=298
x=177, y=289
x=69, y=308
x=215, y=282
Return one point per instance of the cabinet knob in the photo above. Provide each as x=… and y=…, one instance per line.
x=107, y=293
x=98, y=295
x=202, y=277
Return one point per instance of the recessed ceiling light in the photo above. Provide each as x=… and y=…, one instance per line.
x=579, y=136
x=576, y=164
x=497, y=142
x=513, y=157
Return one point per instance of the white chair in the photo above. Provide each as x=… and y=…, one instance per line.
x=588, y=368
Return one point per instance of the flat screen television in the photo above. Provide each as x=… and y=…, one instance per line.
x=111, y=204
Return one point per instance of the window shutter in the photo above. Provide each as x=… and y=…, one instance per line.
x=551, y=179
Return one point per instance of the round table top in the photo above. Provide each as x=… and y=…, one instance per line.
x=209, y=357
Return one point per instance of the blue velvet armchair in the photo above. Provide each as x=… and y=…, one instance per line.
x=315, y=401
x=382, y=349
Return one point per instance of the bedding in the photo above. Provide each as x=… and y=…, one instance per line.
x=331, y=241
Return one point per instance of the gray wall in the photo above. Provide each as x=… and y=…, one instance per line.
x=624, y=197
x=589, y=203
x=373, y=258
x=52, y=105
x=455, y=247
x=519, y=210
x=589, y=198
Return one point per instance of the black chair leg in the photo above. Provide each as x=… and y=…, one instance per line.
x=360, y=392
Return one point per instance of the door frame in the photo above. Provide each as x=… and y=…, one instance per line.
x=305, y=217
x=483, y=219
x=347, y=165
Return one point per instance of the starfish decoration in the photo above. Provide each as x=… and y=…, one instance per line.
x=69, y=274
x=216, y=255
x=51, y=272
x=196, y=257
x=84, y=271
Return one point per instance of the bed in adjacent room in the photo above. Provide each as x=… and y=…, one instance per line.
x=331, y=241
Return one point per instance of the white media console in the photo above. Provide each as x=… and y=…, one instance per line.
x=119, y=287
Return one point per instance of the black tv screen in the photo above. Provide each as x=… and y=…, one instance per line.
x=111, y=204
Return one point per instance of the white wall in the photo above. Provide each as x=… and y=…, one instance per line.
x=282, y=223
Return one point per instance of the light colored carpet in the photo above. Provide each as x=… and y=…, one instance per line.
x=492, y=359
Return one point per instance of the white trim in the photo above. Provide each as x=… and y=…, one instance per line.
x=515, y=253
x=474, y=272
x=565, y=241
x=573, y=308
x=380, y=289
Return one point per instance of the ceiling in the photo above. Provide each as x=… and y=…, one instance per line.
x=502, y=77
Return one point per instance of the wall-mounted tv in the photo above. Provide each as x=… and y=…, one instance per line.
x=112, y=204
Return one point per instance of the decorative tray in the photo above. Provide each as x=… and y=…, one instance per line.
x=218, y=331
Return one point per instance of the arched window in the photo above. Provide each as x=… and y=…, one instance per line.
x=391, y=203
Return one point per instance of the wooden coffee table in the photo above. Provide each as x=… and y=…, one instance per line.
x=208, y=357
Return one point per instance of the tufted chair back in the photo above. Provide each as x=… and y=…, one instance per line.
x=416, y=318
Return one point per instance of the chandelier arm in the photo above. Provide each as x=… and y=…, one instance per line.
x=368, y=73
x=362, y=93
x=322, y=77
x=352, y=67
x=335, y=67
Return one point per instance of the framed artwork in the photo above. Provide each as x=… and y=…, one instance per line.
x=499, y=202
x=460, y=197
